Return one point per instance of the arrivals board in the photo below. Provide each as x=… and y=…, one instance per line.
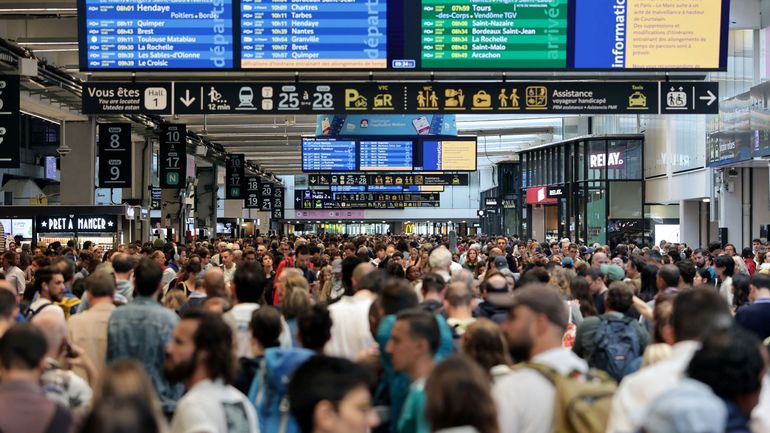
x=385, y=156
x=428, y=35
x=388, y=179
x=490, y=34
x=158, y=34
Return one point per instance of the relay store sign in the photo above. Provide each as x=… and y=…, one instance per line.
x=611, y=160
x=79, y=224
x=539, y=195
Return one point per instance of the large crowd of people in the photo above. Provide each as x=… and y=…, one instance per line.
x=384, y=333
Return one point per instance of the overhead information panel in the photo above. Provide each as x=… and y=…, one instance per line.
x=386, y=156
x=449, y=155
x=328, y=155
x=158, y=34
x=301, y=34
x=493, y=34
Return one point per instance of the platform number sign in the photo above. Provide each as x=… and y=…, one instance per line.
x=173, y=156
x=266, y=191
x=251, y=200
x=114, y=143
x=277, y=203
x=9, y=121
x=235, y=176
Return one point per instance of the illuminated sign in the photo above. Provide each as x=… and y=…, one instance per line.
x=80, y=224
x=611, y=160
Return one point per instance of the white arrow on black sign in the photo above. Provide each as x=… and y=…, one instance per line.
x=187, y=100
x=710, y=98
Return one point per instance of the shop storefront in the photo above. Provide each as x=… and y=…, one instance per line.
x=589, y=188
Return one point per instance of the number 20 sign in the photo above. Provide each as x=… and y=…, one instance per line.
x=114, y=144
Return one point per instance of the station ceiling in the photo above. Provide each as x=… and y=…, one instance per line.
x=48, y=29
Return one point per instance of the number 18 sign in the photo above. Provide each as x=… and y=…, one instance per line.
x=173, y=156
x=114, y=144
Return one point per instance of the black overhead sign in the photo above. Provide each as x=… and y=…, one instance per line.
x=115, y=155
x=172, y=162
x=405, y=179
x=314, y=199
x=642, y=97
x=155, y=198
x=251, y=198
x=278, y=202
x=9, y=121
x=77, y=224
x=127, y=98
x=235, y=176
x=266, y=191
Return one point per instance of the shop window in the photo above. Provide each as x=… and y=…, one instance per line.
x=597, y=159
x=625, y=200
x=624, y=159
x=596, y=213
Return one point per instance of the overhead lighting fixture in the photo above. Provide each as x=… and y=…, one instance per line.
x=54, y=50
x=37, y=10
x=40, y=117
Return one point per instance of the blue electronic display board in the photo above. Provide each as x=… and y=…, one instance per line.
x=329, y=155
x=301, y=34
x=158, y=34
x=386, y=156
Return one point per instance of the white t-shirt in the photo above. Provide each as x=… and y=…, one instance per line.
x=38, y=308
x=350, y=333
x=213, y=407
x=241, y=315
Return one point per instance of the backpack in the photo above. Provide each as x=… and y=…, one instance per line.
x=30, y=313
x=617, y=347
x=583, y=401
x=268, y=389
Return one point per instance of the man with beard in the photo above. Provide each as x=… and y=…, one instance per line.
x=49, y=286
x=534, y=329
x=200, y=355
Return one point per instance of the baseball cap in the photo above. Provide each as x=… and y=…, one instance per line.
x=501, y=262
x=691, y=407
x=567, y=262
x=613, y=272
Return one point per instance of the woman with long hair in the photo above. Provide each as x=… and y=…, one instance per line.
x=126, y=380
x=581, y=292
x=471, y=259
x=460, y=376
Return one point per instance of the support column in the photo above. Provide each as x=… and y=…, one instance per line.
x=139, y=193
x=78, y=168
x=689, y=226
x=206, y=198
x=731, y=207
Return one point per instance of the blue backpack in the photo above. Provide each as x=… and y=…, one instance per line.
x=617, y=347
x=268, y=389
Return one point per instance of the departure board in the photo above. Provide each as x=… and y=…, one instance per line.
x=494, y=34
x=156, y=34
x=328, y=155
x=386, y=156
x=449, y=155
x=317, y=34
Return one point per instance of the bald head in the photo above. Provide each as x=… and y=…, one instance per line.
x=54, y=328
x=599, y=259
x=359, y=272
x=214, y=283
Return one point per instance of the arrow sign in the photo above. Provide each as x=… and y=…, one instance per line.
x=710, y=98
x=187, y=100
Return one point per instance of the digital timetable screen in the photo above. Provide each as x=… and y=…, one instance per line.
x=402, y=154
x=431, y=35
x=156, y=34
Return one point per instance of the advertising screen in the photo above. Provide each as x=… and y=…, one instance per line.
x=161, y=34
x=433, y=35
x=449, y=155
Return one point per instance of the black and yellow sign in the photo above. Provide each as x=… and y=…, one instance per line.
x=388, y=179
x=309, y=199
x=438, y=97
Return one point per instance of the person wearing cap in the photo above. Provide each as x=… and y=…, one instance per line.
x=534, y=327
x=493, y=289
x=500, y=263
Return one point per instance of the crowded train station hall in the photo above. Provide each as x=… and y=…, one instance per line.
x=384, y=216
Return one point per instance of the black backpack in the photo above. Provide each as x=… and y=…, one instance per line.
x=617, y=347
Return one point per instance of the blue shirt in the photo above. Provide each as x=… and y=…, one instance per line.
x=755, y=318
x=141, y=330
